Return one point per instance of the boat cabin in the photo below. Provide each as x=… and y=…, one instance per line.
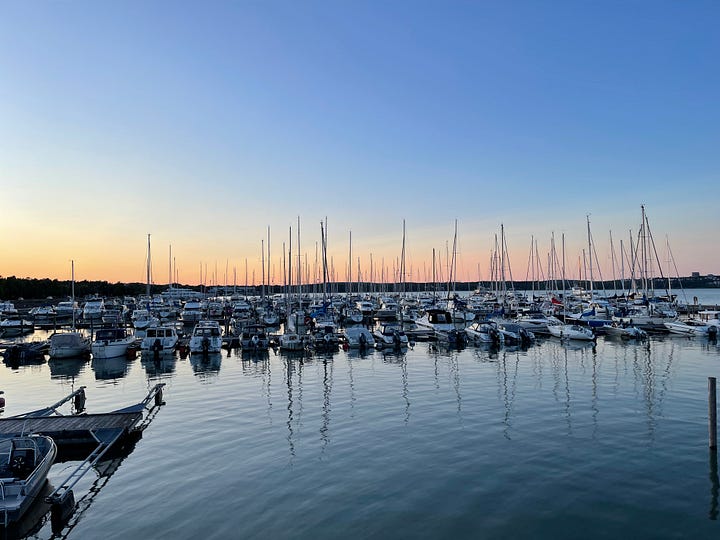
x=111, y=334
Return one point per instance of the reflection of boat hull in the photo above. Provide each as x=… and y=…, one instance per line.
x=12, y=328
x=164, y=364
x=65, y=368
x=110, y=368
x=206, y=363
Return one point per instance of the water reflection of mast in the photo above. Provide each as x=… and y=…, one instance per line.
x=290, y=436
x=403, y=367
x=352, y=388
x=455, y=371
x=267, y=383
x=507, y=395
x=327, y=389
x=594, y=402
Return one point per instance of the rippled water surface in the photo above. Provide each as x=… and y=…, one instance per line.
x=555, y=441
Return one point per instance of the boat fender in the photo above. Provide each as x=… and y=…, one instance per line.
x=79, y=401
x=61, y=510
x=2, y=401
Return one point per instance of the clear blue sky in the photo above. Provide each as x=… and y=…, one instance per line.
x=204, y=123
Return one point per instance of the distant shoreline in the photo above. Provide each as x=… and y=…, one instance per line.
x=49, y=290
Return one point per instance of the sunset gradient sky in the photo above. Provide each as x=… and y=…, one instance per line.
x=205, y=123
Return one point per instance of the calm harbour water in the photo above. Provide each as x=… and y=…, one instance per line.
x=556, y=441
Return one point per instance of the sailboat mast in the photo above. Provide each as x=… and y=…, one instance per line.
x=147, y=286
x=268, y=260
x=72, y=290
x=402, y=262
x=590, y=256
x=262, y=257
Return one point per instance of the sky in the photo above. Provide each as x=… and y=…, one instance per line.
x=204, y=124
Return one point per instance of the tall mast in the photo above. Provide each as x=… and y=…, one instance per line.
x=590, y=256
x=72, y=290
x=147, y=286
x=268, y=260
x=402, y=263
x=262, y=258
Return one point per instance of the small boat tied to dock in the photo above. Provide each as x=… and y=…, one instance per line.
x=96, y=433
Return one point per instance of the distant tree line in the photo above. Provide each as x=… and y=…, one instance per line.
x=13, y=288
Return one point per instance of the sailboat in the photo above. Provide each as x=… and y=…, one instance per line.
x=569, y=331
x=71, y=344
x=293, y=336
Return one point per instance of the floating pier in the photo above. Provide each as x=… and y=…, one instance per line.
x=101, y=431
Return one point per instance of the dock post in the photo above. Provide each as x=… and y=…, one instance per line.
x=712, y=412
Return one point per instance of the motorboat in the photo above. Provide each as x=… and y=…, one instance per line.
x=206, y=337
x=485, y=332
x=625, y=331
x=43, y=315
x=691, y=327
x=365, y=307
x=254, y=337
x=515, y=333
x=159, y=340
x=454, y=337
x=69, y=345
x=358, y=337
x=388, y=309
x=571, y=331
x=93, y=310
x=390, y=335
x=291, y=341
x=142, y=319
x=67, y=310
x=24, y=465
x=111, y=343
x=8, y=310
x=437, y=320
x=192, y=313
x=536, y=322
x=352, y=315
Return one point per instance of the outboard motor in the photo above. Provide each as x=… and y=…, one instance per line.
x=363, y=341
x=713, y=332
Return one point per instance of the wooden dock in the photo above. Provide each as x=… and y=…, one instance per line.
x=78, y=429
